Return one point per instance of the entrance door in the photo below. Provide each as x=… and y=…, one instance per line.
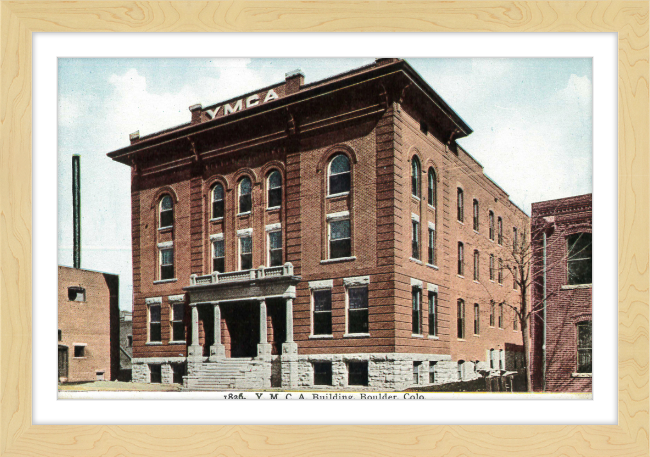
x=244, y=328
x=63, y=362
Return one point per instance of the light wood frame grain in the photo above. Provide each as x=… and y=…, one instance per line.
x=17, y=434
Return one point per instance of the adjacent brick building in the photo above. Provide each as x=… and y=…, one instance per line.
x=353, y=198
x=566, y=226
x=88, y=325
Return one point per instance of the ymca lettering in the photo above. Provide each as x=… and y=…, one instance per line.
x=249, y=102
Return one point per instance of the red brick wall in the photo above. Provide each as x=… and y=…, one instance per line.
x=94, y=322
x=565, y=306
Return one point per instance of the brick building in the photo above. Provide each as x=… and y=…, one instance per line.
x=567, y=226
x=88, y=325
x=319, y=234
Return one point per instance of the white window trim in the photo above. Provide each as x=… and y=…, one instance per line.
x=352, y=283
x=319, y=286
x=415, y=217
x=329, y=174
x=432, y=225
x=171, y=325
x=176, y=298
x=277, y=229
x=274, y=227
x=244, y=232
x=432, y=288
x=323, y=284
x=153, y=301
x=166, y=245
x=417, y=283
x=356, y=281
x=342, y=215
x=340, y=194
x=216, y=237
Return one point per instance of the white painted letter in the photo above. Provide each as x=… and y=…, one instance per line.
x=212, y=114
x=252, y=101
x=227, y=109
x=270, y=95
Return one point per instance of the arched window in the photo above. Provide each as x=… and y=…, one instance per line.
x=415, y=177
x=475, y=214
x=476, y=265
x=245, y=200
x=166, y=212
x=339, y=175
x=432, y=187
x=274, y=184
x=500, y=230
x=477, y=320
x=461, y=318
x=491, y=222
x=459, y=204
x=217, y=201
x=460, y=258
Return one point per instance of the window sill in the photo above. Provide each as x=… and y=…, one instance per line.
x=575, y=286
x=417, y=335
x=430, y=265
x=461, y=339
x=460, y=276
x=340, y=194
x=247, y=213
x=477, y=335
x=79, y=358
x=433, y=337
x=216, y=219
x=153, y=343
x=413, y=259
x=274, y=208
x=415, y=197
x=356, y=335
x=460, y=222
x=321, y=337
x=177, y=342
x=477, y=232
x=581, y=375
x=430, y=206
x=164, y=281
x=477, y=281
x=339, y=259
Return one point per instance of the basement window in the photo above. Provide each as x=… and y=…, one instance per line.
x=76, y=294
x=155, y=374
x=322, y=373
x=358, y=373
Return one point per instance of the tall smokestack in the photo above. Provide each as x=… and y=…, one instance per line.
x=76, y=211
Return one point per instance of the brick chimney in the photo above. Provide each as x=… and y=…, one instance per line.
x=196, y=113
x=293, y=81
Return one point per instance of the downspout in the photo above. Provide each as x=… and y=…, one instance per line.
x=544, y=319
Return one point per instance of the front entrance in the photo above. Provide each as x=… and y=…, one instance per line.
x=63, y=362
x=242, y=334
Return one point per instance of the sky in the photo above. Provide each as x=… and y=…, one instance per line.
x=531, y=117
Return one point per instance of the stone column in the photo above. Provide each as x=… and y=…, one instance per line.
x=263, y=348
x=217, y=350
x=289, y=359
x=195, y=350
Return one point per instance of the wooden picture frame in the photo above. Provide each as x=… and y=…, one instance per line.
x=18, y=436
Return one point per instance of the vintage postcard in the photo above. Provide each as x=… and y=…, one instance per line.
x=334, y=226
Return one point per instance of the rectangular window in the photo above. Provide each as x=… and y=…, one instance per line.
x=60, y=335
x=178, y=371
x=76, y=294
x=154, y=323
x=461, y=263
x=432, y=372
x=461, y=319
x=416, y=372
x=475, y=213
x=500, y=231
x=584, y=347
x=129, y=341
x=322, y=312
x=432, y=247
x=493, y=313
x=500, y=315
x=358, y=373
x=491, y=223
x=477, y=320
x=579, y=259
x=415, y=240
x=178, y=328
x=340, y=242
x=416, y=324
x=155, y=374
x=433, y=314
x=275, y=249
x=80, y=351
x=358, y=310
x=459, y=204
x=219, y=256
x=245, y=253
x=322, y=373
x=476, y=266
x=167, y=263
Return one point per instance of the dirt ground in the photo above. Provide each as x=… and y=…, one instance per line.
x=117, y=385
